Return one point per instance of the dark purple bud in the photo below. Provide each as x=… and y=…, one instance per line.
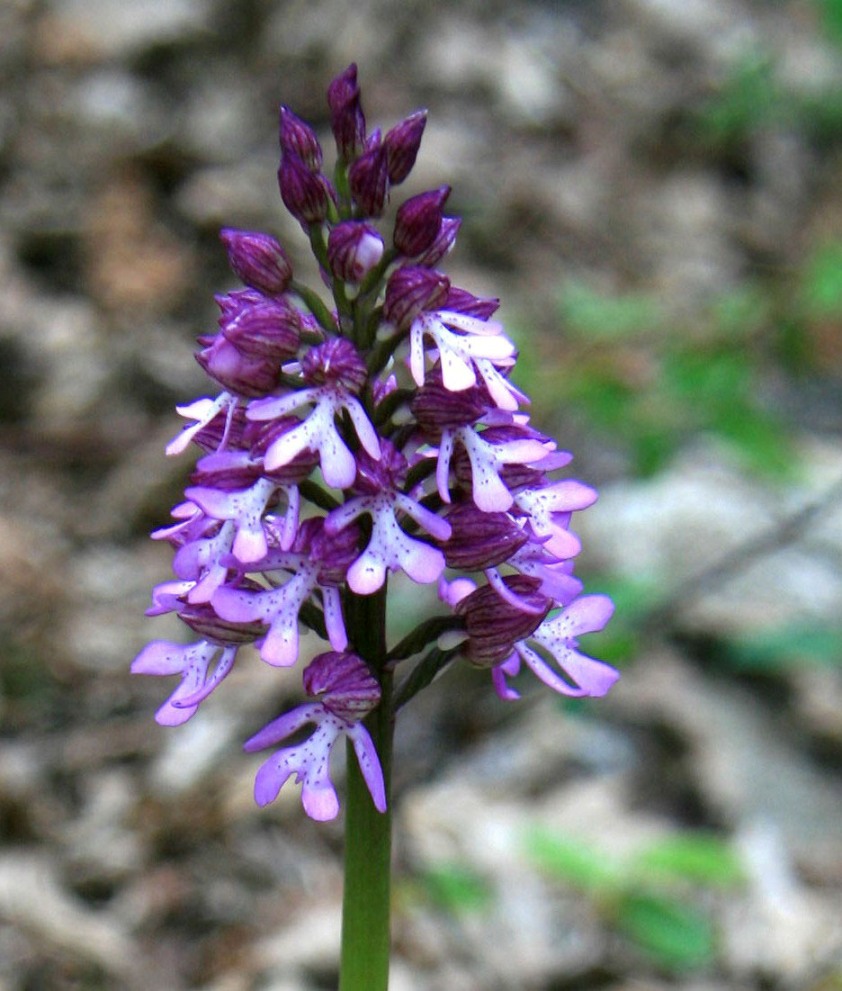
x=346, y=114
x=264, y=435
x=402, y=143
x=270, y=329
x=380, y=476
x=481, y=540
x=299, y=139
x=228, y=424
x=226, y=470
x=443, y=242
x=461, y=301
x=436, y=408
x=353, y=249
x=258, y=260
x=305, y=194
x=418, y=221
x=412, y=289
x=238, y=373
x=337, y=362
x=369, y=181
x=231, y=304
x=203, y=620
x=344, y=683
x=494, y=626
x=334, y=552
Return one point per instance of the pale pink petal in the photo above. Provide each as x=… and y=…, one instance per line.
x=272, y=407
x=369, y=764
x=364, y=428
x=434, y=524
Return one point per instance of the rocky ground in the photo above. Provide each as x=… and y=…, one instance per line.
x=681, y=149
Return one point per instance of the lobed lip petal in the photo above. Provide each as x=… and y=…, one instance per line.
x=369, y=764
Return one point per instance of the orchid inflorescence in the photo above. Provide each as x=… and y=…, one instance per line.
x=379, y=436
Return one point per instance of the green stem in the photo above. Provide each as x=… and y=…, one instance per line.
x=364, y=964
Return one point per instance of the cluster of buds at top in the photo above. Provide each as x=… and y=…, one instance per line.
x=380, y=433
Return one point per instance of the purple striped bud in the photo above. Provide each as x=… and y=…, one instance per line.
x=201, y=618
x=418, y=221
x=334, y=552
x=494, y=626
x=347, y=120
x=382, y=475
x=336, y=361
x=239, y=373
x=481, y=540
x=306, y=194
x=271, y=329
x=258, y=259
x=402, y=143
x=299, y=139
x=229, y=424
x=443, y=242
x=232, y=304
x=226, y=470
x=461, y=301
x=344, y=683
x=353, y=249
x=295, y=470
x=436, y=408
x=369, y=181
x=412, y=289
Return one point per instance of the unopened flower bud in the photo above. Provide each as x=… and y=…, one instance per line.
x=270, y=329
x=442, y=243
x=346, y=114
x=202, y=619
x=412, y=289
x=462, y=301
x=481, y=540
x=402, y=143
x=226, y=470
x=305, y=194
x=334, y=552
x=437, y=408
x=237, y=372
x=369, y=181
x=298, y=138
x=258, y=259
x=418, y=221
x=335, y=361
x=494, y=626
x=353, y=249
x=343, y=681
x=265, y=435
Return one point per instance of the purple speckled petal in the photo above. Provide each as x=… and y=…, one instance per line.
x=272, y=407
x=282, y=727
x=587, y=614
x=443, y=465
x=203, y=411
x=161, y=657
x=364, y=428
x=367, y=574
x=543, y=671
x=334, y=620
x=506, y=669
x=369, y=764
x=434, y=524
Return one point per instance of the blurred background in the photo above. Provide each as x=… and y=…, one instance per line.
x=654, y=189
